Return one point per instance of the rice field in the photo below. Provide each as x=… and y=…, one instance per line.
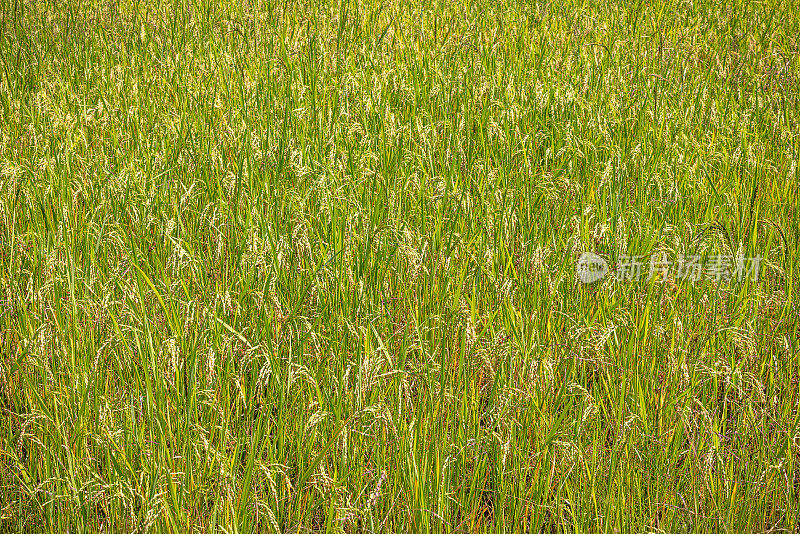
x=399, y=266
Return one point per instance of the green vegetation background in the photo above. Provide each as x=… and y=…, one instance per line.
x=305, y=267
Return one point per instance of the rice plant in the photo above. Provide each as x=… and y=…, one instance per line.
x=309, y=266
